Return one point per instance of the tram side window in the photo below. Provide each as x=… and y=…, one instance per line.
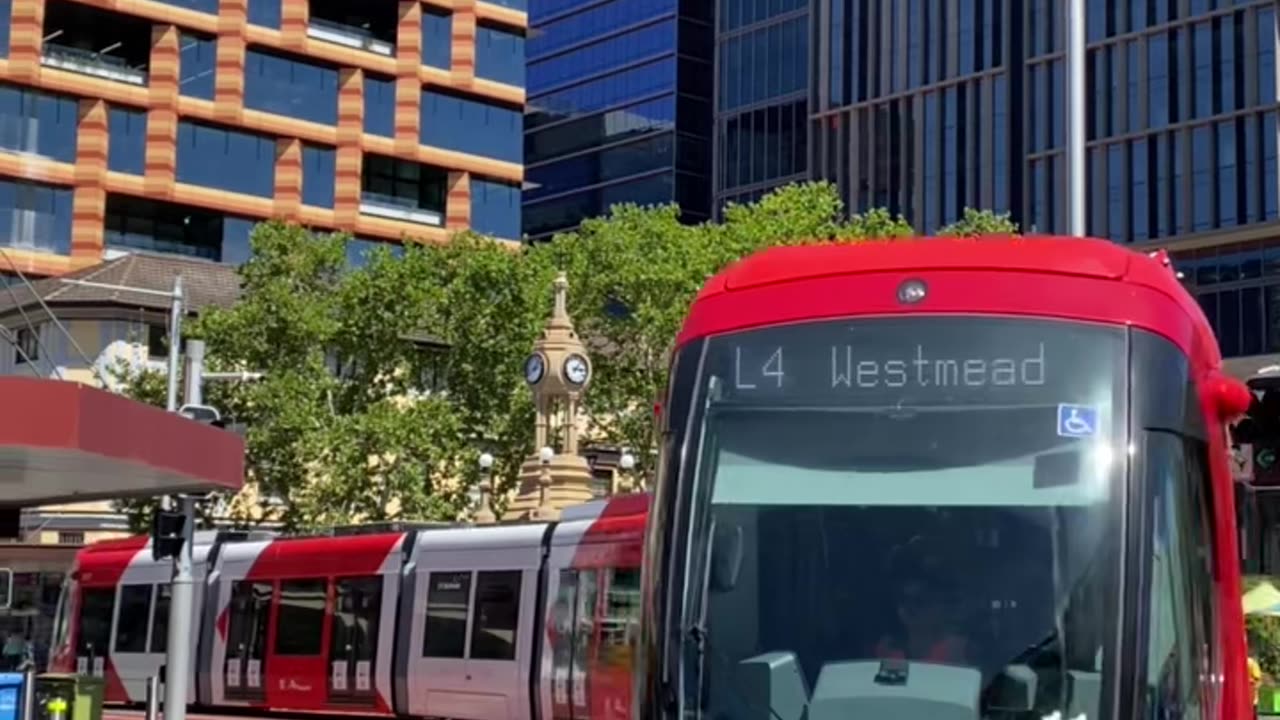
x=1173, y=645
x=493, y=634
x=301, y=617
x=1203, y=564
x=448, y=596
x=135, y=610
x=621, y=617
x=160, y=621
x=96, y=608
x=563, y=622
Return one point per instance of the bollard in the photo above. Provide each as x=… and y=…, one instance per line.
x=28, y=695
x=57, y=708
x=153, y=698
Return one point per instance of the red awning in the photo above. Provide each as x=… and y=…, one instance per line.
x=65, y=442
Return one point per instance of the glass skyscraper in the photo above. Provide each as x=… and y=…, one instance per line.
x=618, y=109
x=928, y=106
x=762, y=96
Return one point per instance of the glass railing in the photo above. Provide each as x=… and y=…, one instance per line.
x=398, y=208
x=348, y=35
x=87, y=62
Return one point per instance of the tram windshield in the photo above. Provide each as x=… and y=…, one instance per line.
x=897, y=516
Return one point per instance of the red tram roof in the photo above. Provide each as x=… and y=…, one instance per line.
x=71, y=442
x=336, y=555
x=1064, y=277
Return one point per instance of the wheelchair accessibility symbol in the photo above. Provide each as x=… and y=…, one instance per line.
x=1077, y=421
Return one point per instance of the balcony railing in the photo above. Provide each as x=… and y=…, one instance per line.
x=87, y=62
x=396, y=208
x=349, y=36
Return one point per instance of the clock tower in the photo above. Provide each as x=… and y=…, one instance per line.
x=558, y=372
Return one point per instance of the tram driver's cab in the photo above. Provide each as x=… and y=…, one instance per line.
x=1256, y=467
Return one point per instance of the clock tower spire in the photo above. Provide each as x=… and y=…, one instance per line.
x=558, y=371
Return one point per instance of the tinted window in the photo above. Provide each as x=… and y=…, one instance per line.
x=379, y=106
x=499, y=55
x=447, y=600
x=357, y=610
x=126, y=140
x=160, y=621
x=471, y=126
x=437, y=33
x=295, y=88
x=135, y=610
x=35, y=216
x=1172, y=647
x=300, y=622
x=318, y=165
x=198, y=57
x=96, y=609
x=265, y=13
x=38, y=123
x=497, y=614
x=495, y=208
x=206, y=151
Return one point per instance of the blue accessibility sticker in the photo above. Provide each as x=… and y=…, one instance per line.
x=1077, y=421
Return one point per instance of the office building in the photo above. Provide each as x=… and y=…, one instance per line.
x=619, y=109
x=762, y=97
x=174, y=125
x=928, y=106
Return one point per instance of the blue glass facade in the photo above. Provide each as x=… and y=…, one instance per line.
x=470, y=125
x=197, y=59
x=618, y=109
x=35, y=216
x=206, y=153
x=36, y=122
x=302, y=89
x=761, y=96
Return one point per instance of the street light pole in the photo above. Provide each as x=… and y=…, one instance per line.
x=1074, y=60
x=182, y=588
x=175, y=343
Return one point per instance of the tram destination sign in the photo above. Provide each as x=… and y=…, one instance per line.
x=917, y=360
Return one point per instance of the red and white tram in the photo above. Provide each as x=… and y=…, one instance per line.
x=505, y=622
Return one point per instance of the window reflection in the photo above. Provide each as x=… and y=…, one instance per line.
x=35, y=216
x=612, y=126
x=197, y=59
x=500, y=55
x=39, y=123
x=456, y=123
x=495, y=208
x=565, y=213
x=604, y=55
x=437, y=37
x=294, y=88
x=605, y=92
x=126, y=140
x=379, y=106
x=204, y=152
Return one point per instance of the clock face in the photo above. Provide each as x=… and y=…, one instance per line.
x=534, y=367
x=575, y=369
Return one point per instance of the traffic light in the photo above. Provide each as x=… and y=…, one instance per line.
x=166, y=534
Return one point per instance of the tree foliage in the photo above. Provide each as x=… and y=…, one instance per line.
x=350, y=421
x=976, y=223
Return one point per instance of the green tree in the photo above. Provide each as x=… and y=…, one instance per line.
x=634, y=272
x=975, y=223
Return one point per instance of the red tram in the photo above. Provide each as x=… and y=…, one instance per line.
x=951, y=478
x=508, y=622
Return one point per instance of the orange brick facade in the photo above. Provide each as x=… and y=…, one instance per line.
x=91, y=179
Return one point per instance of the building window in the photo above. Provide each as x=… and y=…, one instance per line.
x=495, y=208
x=6, y=11
x=265, y=13
x=206, y=152
x=26, y=345
x=379, y=106
x=163, y=227
x=499, y=55
x=70, y=537
x=293, y=88
x=317, y=175
x=198, y=56
x=454, y=123
x=627, y=86
x=39, y=123
x=157, y=342
x=600, y=57
x=35, y=216
x=126, y=140
x=437, y=38
x=403, y=190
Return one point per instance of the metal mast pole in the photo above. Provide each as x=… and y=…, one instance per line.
x=182, y=589
x=175, y=344
x=1074, y=26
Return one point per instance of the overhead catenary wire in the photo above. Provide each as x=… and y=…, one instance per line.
x=93, y=367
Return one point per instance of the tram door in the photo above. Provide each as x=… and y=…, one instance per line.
x=353, y=649
x=97, y=608
x=247, y=639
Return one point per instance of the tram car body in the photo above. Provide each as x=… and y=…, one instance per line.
x=502, y=622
